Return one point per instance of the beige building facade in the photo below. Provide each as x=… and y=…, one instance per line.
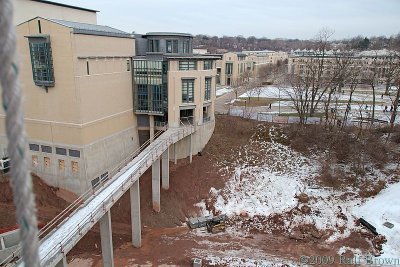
x=28, y=9
x=234, y=68
x=79, y=115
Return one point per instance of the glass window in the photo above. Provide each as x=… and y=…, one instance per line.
x=154, y=45
x=169, y=46
x=175, y=46
x=61, y=151
x=207, y=89
x=34, y=147
x=74, y=153
x=46, y=149
x=187, y=65
x=186, y=49
x=42, y=61
x=208, y=64
x=187, y=90
x=228, y=68
x=172, y=46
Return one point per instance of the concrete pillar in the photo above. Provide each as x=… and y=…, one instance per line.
x=175, y=158
x=155, y=184
x=165, y=169
x=106, y=240
x=62, y=263
x=190, y=148
x=151, y=120
x=135, y=215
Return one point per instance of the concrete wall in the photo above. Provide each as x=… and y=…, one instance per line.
x=26, y=10
x=199, y=140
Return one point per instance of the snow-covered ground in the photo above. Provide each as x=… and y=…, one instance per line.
x=223, y=90
x=268, y=178
x=385, y=207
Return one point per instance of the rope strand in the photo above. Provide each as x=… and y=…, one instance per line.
x=21, y=181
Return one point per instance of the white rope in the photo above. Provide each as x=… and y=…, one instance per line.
x=21, y=180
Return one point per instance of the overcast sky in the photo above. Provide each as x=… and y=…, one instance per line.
x=261, y=18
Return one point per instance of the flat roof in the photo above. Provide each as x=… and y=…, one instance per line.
x=169, y=34
x=65, y=5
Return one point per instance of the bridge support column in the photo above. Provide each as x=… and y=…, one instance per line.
x=165, y=169
x=106, y=240
x=135, y=215
x=151, y=121
x=190, y=148
x=63, y=262
x=155, y=184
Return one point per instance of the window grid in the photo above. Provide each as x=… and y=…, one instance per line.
x=207, y=91
x=187, y=65
x=208, y=64
x=188, y=91
x=42, y=63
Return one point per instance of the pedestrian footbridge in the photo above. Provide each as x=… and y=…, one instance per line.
x=95, y=207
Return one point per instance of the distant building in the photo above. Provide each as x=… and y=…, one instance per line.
x=235, y=67
x=300, y=61
x=200, y=51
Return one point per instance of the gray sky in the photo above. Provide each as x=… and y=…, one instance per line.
x=261, y=18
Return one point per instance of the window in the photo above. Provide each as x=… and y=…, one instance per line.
x=46, y=149
x=61, y=165
x=75, y=167
x=186, y=47
x=228, y=68
x=46, y=162
x=187, y=65
x=34, y=147
x=95, y=182
x=35, y=161
x=143, y=103
x=128, y=65
x=207, y=89
x=61, y=151
x=154, y=45
x=42, y=61
x=104, y=177
x=172, y=46
x=208, y=64
x=74, y=153
x=187, y=91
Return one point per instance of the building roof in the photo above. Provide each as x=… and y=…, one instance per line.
x=64, y=5
x=169, y=34
x=92, y=29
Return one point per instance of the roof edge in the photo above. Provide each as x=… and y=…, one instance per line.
x=65, y=5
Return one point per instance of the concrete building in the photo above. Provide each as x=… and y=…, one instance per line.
x=234, y=67
x=172, y=86
x=77, y=86
x=28, y=9
x=93, y=94
x=300, y=61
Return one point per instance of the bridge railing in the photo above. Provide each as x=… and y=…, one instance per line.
x=84, y=196
x=77, y=230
